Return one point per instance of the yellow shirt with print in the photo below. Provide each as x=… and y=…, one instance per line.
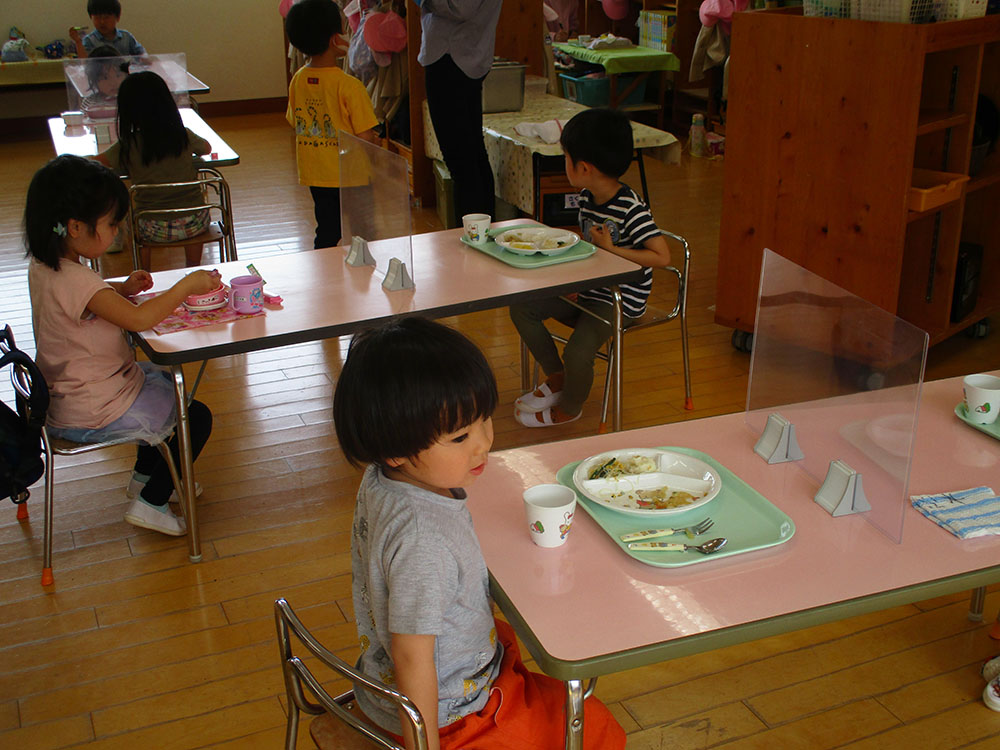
x=322, y=101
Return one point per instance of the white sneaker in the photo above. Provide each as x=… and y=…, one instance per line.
x=991, y=694
x=531, y=402
x=175, y=498
x=991, y=669
x=135, y=486
x=147, y=516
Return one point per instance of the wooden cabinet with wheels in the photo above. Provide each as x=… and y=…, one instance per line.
x=830, y=123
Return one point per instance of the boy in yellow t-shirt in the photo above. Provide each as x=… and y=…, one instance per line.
x=323, y=99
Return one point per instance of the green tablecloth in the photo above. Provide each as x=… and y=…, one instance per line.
x=623, y=60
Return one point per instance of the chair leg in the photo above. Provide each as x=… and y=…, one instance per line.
x=525, y=364
x=603, y=426
x=688, y=400
x=47, y=578
x=22, y=511
x=174, y=475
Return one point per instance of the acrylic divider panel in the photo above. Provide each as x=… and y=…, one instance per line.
x=846, y=374
x=92, y=83
x=375, y=201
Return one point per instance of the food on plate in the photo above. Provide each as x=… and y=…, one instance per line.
x=618, y=466
x=535, y=240
x=662, y=498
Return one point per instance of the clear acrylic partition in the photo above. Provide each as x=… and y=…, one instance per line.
x=846, y=374
x=92, y=83
x=375, y=200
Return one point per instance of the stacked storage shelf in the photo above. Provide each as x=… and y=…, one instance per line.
x=848, y=151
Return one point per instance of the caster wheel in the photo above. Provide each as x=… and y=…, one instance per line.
x=979, y=330
x=873, y=381
x=742, y=341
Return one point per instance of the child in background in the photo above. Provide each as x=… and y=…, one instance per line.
x=98, y=391
x=598, y=146
x=105, y=72
x=414, y=402
x=154, y=147
x=105, y=14
x=323, y=99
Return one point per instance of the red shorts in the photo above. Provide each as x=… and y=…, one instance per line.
x=526, y=710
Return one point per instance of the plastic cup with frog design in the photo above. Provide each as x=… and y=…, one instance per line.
x=476, y=227
x=549, y=509
x=982, y=397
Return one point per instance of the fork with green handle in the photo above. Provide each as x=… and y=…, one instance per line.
x=691, y=532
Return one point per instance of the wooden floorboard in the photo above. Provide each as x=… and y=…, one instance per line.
x=134, y=647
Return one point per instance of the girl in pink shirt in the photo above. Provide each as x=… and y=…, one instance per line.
x=98, y=390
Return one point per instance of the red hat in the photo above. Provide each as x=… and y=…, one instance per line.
x=385, y=32
x=616, y=10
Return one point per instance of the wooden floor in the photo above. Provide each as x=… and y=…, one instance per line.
x=134, y=647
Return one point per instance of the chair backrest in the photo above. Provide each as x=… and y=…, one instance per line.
x=296, y=674
x=215, y=197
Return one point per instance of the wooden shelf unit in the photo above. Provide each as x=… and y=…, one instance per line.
x=827, y=120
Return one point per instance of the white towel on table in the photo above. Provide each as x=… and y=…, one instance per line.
x=965, y=513
x=549, y=131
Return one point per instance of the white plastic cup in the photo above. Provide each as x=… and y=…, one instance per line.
x=476, y=227
x=982, y=397
x=549, y=509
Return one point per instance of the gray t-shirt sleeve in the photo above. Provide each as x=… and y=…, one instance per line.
x=422, y=577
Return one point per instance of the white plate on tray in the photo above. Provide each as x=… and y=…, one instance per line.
x=531, y=240
x=649, y=478
x=205, y=308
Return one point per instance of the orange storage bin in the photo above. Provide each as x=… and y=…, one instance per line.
x=932, y=189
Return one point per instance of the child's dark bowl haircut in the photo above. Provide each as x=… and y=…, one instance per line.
x=404, y=385
x=69, y=187
x=101, y=61
x=310, y=24
x=602, y=137
x=102, y=7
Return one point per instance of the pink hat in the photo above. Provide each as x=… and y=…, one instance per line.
x=385, y=32
x=616, y=10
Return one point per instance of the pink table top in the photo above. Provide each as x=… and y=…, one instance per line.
x=586, y=608
x=324, y=297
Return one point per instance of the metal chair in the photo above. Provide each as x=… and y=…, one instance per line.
x=652, y=317
x=338, y=724
x=216, y=199
x=22, y=381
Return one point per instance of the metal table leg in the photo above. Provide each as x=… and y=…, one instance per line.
x=574, y=714
x=525, y=368
x=186, y=465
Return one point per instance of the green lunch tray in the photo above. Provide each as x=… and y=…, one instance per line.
x=741, y=514
x=579, y=251
x=993, y=430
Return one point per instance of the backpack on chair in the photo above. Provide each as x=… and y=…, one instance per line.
x=21, y=450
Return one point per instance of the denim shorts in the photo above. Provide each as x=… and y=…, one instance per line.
x=149, y=420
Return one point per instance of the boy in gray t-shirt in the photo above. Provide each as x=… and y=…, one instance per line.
x=414, y=401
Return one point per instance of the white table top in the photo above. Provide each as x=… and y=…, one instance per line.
x=591, y=609
x=324, y=297
x=82, y=140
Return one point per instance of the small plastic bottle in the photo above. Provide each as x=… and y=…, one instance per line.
x=696, y=136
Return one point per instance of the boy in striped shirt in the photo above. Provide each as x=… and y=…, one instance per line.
x=598, y=147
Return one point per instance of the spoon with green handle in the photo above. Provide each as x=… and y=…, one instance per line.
x=706, y=549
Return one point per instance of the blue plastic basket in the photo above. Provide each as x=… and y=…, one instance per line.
x=596, y=92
